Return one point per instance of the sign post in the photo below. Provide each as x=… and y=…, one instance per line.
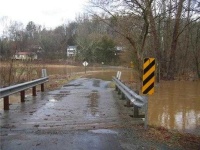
x=102, y=63
x=85, y=63
x=44, y=73
x=148, y=82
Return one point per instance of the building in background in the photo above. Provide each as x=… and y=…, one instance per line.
x=71, y=51
x=25, y=56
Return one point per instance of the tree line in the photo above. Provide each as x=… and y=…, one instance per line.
x=168, y=30
x=93, y=45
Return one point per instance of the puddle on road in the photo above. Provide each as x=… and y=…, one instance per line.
x=67, y=85
x=92, y=106
x=53, y=100
x=55, y=97
x=96, y=83
x=103, y=131
x=64, y=92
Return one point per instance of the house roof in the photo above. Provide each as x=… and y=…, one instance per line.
x=119, y=48
x=71, y=47
x=25, y=53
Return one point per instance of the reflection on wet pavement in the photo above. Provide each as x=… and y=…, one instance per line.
x=93, y=104
x=104, y=131
x=54, y=97
x=96, y=83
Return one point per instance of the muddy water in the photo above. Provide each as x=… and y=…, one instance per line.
x=103, y=72
x=174, y=105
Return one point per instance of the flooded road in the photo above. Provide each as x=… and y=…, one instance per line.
x=83, y=114
x=174, y=105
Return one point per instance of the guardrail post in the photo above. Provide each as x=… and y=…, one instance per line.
x=42, y=87
x=119, y=92
x=135, y=112
x=22, y=93
x=128, y=103
x=136, y=109
x=34, y=91
x=146, y=114
x=6, y=103
x=123, y=96
x=116, y=88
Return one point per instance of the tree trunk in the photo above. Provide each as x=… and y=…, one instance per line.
x=139, y=57
x=172, y=57
x=156, y=41
x=197, y=66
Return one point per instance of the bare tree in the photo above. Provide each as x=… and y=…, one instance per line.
x=153, y=28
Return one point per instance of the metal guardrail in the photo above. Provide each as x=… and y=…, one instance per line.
x=20, y=87
x=7, y=91
x=131, y=96
x=136, y=99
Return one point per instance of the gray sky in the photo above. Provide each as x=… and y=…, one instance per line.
x=49, y=13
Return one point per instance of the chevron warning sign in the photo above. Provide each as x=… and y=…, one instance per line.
x=148, y=76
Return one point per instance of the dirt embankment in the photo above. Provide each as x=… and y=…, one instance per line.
x=173, y=139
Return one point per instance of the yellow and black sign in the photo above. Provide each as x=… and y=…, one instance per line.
x=148, y=76
x=132, y=65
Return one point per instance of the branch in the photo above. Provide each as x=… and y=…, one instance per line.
x=186, y=26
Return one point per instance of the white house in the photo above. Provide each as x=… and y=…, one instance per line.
x=71, y=51
x=119, y=49
x=25, y=56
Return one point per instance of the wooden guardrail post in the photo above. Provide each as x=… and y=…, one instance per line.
x=22, y=94
x=6, y=103
x=34, y=91
x=42, y=87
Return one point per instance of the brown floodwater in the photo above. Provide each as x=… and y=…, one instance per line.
x=174, y=105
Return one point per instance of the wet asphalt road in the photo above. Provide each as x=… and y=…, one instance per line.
x=83, y=115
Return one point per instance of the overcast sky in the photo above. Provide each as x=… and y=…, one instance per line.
x=50, y=13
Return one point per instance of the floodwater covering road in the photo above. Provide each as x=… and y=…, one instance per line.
x=83, y=115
